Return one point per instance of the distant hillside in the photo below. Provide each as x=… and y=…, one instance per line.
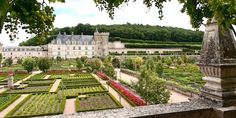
x=129, y=32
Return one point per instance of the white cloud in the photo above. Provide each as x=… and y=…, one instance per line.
x=73, y=12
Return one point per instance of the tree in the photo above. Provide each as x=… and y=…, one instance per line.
x=159, y=69
x=19, y=61
x=31, y=15
x=184, y=58
x=179, y=61
x=59, y=59
x=44, y=64
x=109, y=69
x=95, y=64
x=138, y=62
x=79, y=64
x=224, y=11
x=168, y=61
x=152, y=89
x=28, y=64
x=0, y=58
x=8, y=61
x=116, y=63
x=84, y=59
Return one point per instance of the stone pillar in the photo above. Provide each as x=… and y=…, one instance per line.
x=218, y=64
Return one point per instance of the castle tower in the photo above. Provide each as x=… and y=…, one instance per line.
x=101, y=43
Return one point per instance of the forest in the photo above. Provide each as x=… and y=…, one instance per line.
x=126, y=33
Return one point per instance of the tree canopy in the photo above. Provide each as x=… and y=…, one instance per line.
x=31, y=15
x=224, y=11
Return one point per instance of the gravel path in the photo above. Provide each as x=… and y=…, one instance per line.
x=55, y=85
x=46, y=77
x=174, y=97
x=13, y=105
x=70, y=107
x=123, y=102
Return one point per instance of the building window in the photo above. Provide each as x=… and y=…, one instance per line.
x=93, y=48
x=58, y=53
x=86, y=48
x=86, y=53
x=93, y=53
x=68, y=48
x=79, y=48
x=68, y=53
x=59, y=48
x=11, y=53
x=39, y=53
x=74, y=48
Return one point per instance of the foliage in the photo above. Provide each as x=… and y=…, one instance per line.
x=84, y=59
x=96, y=64
x=44, y=64
x=136, y=34
x=8, y=61
x=109, y=69
x=28, y=64
x=138, y=61
x=151, y=88
x=30, y=15
x=79, y=64
x=59, y=59
x=116, y=63
x=159, y=68
x=168, y=61
x=0, y=58
x=128, y=63
x=224, y=11
x=19, y=61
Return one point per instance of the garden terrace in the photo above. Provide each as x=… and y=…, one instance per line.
x=99, y=101
x=31, y=89
x=39, y=105
x=6, y=100
x=74, y=92
x=38, y=76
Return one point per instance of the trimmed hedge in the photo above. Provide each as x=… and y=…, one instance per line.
x=7, y=103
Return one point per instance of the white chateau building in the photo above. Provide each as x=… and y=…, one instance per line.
x=64, y=46
x=73, y=46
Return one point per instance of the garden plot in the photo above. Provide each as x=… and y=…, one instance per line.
x=92, y=102
x=39, y=105
x=69, y=93
x=32, y=89
x=42, y=82
x=38, y=76
x=17, y=77
x=6, y=100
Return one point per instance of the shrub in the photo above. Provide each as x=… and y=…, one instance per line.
x=8, y=61
x=159, y=69
x=116, y=63
x=19, y=61
x=44, y=64
x=79, y=64
x=28, y=64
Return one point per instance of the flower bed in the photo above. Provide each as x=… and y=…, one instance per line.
x=126, y=93
x=93, y=102
x=33, y=89
x=102, y=75
x=38, y=105
x=70, y=93
x=6, y=100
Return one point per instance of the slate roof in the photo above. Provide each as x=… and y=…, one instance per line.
x=80, y=38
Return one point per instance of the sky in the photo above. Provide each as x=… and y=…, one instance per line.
x=73, y=12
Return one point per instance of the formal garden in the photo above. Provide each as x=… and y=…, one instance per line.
x=88, y=80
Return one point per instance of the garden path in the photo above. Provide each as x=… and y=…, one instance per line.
x=174, y=97
x=13, y=105
x=46, y=77
x=123, y=102
x=70, y=107
x=2, y=90
x=55, y=85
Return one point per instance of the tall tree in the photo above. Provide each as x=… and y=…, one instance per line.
x=28, y=64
